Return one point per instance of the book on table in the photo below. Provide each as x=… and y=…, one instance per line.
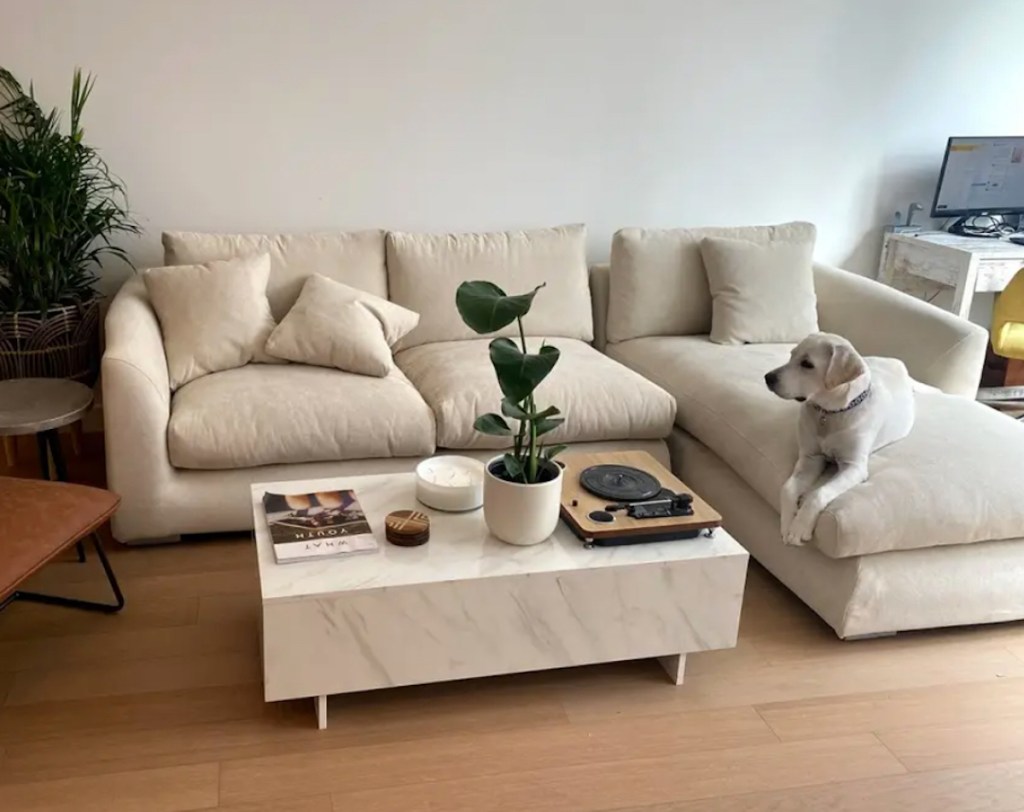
x=325, y=524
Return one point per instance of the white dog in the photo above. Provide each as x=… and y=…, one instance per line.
x=852, y=406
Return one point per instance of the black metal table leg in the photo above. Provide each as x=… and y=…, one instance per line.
x=49, y=448
x=44, y=454
x=77, y=603
x=53, y=440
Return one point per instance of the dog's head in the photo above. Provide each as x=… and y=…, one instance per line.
x=824, y=369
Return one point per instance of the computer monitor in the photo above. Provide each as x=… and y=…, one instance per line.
x=981, y=176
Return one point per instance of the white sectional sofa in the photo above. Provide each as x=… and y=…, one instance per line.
x=182, y=461
x=932, y=538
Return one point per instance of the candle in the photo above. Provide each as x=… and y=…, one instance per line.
x=450, y=483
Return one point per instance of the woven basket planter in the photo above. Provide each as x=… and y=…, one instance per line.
x=61, y=343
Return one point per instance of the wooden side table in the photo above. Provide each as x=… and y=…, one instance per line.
x=41, y=406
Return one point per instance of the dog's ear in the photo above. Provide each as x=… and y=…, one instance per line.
x=844, y=367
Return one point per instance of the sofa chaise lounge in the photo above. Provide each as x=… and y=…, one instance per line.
x=932, y=538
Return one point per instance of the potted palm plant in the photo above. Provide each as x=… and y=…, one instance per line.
x=60, y=206
x=522, y=487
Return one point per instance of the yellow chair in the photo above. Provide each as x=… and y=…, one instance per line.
x=1008, y=328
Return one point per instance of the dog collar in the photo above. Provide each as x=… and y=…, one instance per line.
x=853, y=404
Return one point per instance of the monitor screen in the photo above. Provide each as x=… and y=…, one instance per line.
x=981, y=175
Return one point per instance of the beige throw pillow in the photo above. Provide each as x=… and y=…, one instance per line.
x=760, y=292
x=213, y=316
x=334, y=325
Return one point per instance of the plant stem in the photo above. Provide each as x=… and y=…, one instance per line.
x=517, y=447
x=530, y=469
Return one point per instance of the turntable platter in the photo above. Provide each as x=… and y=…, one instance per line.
x=622, y=483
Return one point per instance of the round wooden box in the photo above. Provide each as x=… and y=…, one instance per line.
x=407, y=528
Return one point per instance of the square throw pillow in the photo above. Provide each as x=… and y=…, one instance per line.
x=213, y=316
x=760, y=292
x=334, y=325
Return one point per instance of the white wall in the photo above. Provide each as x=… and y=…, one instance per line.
x=481, y=114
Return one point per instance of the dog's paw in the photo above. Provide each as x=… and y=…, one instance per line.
x=792, y=539
x=787, y=510
x=801, y=529
x=786, y=517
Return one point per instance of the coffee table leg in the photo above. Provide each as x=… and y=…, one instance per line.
x=674, y=665
x=320, y=702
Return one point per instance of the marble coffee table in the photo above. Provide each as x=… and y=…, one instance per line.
x=467, y=605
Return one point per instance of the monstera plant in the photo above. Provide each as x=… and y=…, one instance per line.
x=526, y=512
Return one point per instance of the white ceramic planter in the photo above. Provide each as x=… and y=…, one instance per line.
x=521, y=514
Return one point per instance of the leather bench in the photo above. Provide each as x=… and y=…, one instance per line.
x=38, y=521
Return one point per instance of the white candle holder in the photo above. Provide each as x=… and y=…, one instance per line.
x=450, y=483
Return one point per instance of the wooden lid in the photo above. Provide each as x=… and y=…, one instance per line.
x=407, y=528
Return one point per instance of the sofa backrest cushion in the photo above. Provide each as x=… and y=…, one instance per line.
x=355, y=258
x=659, y=286
x=424, y=271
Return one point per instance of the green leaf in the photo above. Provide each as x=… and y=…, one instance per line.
x=513, y=466
x=60, y=206
x=518, y=411
x=493, y=424
x=552, y=451
x=520, y=373
x=513, y=410
x=546, y=424
x=486, y=308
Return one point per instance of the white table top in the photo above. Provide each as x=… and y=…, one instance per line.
x=988, y=247
x=460, y=548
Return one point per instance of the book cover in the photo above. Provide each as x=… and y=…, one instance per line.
x=324, y=524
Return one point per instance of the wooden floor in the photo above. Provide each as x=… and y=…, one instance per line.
x=159, y=709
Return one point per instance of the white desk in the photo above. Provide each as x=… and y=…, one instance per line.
x=969, y=265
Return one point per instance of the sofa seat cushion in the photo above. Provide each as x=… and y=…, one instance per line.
x=600, y=399
x=261, y=415
x=955, y=479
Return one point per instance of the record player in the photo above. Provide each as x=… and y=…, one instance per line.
x=628, y=497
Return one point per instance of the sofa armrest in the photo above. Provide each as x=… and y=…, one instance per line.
x=939, y=349
x=600, y=280
x=136, y=402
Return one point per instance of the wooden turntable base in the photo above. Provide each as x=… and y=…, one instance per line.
x=578, y=503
